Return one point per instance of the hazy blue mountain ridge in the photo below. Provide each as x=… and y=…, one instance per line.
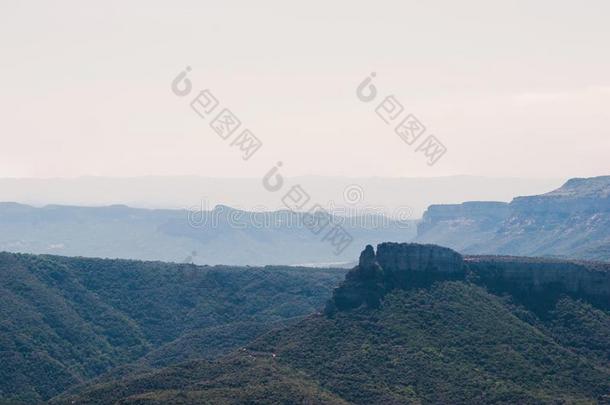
x=571, y=221
x=220, y=236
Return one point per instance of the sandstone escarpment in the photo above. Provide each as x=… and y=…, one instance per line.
x=537, y=282
x=483, y=213
x=394, y=265
x=572, y=221
x=534, y=282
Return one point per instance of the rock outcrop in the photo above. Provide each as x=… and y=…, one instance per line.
x=409, y=258
x=395, y=265
x=534, y=282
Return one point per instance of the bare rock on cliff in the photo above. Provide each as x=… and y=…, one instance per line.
x=536, y=282
x=571, y=222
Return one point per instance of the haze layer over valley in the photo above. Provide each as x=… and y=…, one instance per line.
x=402, y=197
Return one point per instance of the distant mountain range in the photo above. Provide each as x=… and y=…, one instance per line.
x=219, y=236
x=401, y=197
x=571, y=221
x=411, y=324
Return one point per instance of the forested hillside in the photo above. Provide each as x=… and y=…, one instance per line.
x=413, y=324
x=66, y=320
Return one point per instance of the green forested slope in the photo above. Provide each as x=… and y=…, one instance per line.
x=449, y=343
x=66, y=320
x=452, y=342
x=410, y=324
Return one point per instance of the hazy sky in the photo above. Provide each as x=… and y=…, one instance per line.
x=519, y=88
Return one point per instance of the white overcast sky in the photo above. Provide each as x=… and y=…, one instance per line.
x=512, y=88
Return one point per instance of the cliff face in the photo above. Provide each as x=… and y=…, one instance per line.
x=407, y=258
x=572, y=221
x=395, y=265
x=462, y=226
x=483, y=212
x=537, y=282
x=533, y=282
